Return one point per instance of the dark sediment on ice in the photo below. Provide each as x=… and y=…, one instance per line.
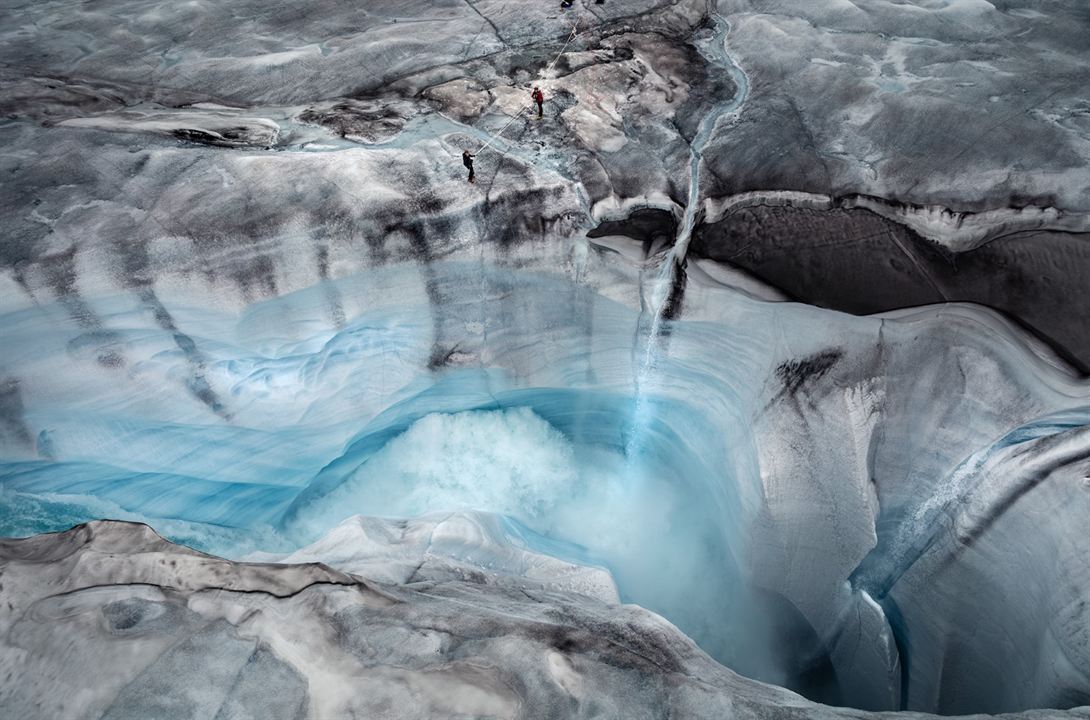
x=855, y=261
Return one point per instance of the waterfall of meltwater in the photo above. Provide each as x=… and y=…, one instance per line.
x=665, y=284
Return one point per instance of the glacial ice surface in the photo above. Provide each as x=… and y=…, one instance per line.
x=318, y=345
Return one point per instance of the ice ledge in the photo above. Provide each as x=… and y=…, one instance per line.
x=955, y=230
x=110, y=620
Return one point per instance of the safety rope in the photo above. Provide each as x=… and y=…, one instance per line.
x=548, y=68
x=574, y=32
x=496, y=136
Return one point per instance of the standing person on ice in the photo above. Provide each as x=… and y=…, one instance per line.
x=467, y=160
x=539, y=98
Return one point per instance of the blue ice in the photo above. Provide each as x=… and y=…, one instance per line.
x=331, y=412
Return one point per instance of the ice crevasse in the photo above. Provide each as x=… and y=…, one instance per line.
x=829, y=518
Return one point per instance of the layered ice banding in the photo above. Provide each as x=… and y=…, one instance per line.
x=249, y=299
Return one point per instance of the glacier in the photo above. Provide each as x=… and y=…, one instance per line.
x=294, y=422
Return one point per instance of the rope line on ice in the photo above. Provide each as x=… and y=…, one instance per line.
x=548, y=68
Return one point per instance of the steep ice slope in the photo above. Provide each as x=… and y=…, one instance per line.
x=245, y=336
x=782, y=498
x=899, y=102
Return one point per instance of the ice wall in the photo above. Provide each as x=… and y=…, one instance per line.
x=781, y=500
x=319, y=423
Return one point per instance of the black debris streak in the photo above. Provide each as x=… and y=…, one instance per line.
x=796, y=375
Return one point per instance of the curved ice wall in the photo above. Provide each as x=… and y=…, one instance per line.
x=851, y=520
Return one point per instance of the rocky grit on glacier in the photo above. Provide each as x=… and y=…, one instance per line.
x=595, y=436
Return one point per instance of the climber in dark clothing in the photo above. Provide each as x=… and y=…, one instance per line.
x=467, y=160
x=539, y=99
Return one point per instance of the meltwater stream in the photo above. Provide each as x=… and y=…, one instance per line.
x=715, y=50
x=670, y=277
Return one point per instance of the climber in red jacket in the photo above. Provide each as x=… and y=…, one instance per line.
x=539, y=99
